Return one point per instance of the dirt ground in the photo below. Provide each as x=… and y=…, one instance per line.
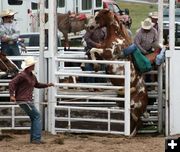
x=19, y=142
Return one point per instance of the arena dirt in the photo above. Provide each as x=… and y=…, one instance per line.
x=16, y=142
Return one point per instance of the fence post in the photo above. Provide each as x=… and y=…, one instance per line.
x=52, y=50
x=51, y=97
x=127, y=99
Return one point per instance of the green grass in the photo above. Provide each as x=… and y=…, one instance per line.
x=138, y=12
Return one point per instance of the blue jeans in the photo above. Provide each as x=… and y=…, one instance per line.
x=35, y=117
x=89, y=67
x=130, y=49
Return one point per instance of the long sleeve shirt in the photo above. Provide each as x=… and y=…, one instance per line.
x=145, y=40
x=10, y=31
x=95, y=36
x=22, y=86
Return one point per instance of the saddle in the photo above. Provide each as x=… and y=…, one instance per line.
x=79, y=17
x=152, y=56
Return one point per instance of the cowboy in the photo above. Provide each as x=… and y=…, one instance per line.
x=9, y=34
x=93, y=38
x=21, y=91
x=146, y=36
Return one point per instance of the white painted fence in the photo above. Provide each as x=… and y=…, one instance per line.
x=77, y=94
x=75, y=101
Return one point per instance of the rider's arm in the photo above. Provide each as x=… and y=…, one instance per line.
x=137, y=41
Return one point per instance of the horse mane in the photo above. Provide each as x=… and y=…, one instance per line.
x=123, y=31
x=110, y=19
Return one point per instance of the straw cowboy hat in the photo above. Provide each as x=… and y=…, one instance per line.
x=7, y=13
x=29, y=61
x=147, y=24
x=154, y=15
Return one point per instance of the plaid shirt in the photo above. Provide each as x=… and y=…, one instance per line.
x=145, y=40
x=22, y=86
x=95, y=36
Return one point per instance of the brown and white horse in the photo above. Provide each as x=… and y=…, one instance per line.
x=7, y=67
x=117, y=39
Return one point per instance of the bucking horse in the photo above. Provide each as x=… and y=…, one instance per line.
x=7, y=67
x=8, y=70
x=112, y=49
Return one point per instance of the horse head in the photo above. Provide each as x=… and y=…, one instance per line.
x=7, y=66
x=105, y=18
x=117, y=39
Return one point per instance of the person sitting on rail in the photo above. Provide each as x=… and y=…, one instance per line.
x=9, y=34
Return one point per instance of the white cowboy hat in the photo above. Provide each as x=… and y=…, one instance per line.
x=7, y=13
x=147, y=24
x=150, y=14
x=29, y=61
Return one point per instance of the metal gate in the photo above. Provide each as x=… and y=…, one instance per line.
x=77, y=109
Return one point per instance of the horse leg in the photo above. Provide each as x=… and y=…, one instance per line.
x=135, y=123
x=138, y=107
x=93, y=57
x=66, y=41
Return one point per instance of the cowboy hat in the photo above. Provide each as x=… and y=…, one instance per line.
x=147, y=24
x=29, y=61
x=7, y=13
x=154, y=15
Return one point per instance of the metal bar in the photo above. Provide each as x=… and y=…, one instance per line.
x=95, y=97
x=90, y=120
x=17, y=128
x=88, y=131
x=167, y=112
x=127, y=99
x=88, y=108
x=109, y=120
x=91, y=61
x=13, y=119
x=86, y=86
x=69, y=118
x=88, y=75
x=86, y=103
